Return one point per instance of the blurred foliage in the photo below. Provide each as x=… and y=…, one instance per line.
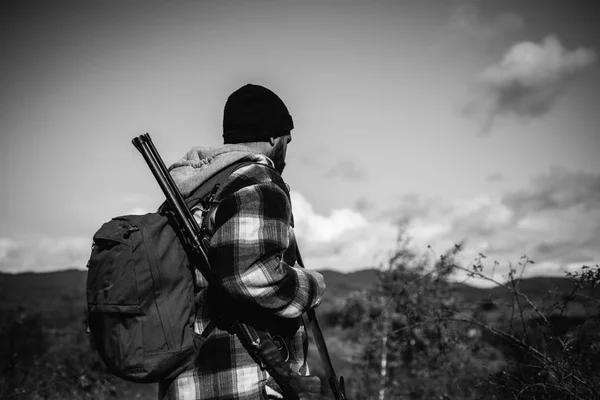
x=422, y=340
x=45, y=352
x=405, y=331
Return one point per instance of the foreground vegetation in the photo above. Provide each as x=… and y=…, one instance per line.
x=406, y=331
x=420, y=337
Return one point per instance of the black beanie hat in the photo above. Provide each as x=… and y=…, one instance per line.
x=254, y=114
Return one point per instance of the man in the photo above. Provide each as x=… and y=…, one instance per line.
x=253, y=250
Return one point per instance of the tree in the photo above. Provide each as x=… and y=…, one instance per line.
x=412, y=341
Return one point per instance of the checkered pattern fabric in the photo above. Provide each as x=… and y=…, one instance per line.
x=253, y=251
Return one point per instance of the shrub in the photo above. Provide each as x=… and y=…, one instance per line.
x=426, y=343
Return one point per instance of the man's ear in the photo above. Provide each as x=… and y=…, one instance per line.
x=272, y=141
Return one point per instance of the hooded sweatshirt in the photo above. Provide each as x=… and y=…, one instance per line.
x=200, y=163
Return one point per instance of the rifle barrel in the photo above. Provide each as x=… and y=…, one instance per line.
x=144, y=144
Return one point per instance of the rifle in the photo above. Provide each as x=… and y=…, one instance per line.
x=259, y=343
x=338, y=387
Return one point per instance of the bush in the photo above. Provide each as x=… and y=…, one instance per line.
x=425, y=343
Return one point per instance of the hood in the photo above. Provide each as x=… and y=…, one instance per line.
x=200, y=163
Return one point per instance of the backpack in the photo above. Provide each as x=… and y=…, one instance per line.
x=140, y=292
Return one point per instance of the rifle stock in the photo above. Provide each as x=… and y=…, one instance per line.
x=259, y=343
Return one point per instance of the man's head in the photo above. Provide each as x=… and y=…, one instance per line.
x=278, y=150
x=257, y=117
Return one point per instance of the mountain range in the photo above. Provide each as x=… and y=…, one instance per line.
x=43, y=292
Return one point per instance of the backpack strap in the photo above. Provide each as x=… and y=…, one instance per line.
x=210, y=187
x=207, y=191
x=205, y=194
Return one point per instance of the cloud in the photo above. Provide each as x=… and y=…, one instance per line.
x=137, y=204
x=317, y=227
x=555, y=222
x=561, y=212
x=413, y=206
x=344, y=240
x=468, y=28
x=528, y=80
x=557, y=190
x=555, y=238
x=140, y=211
x=443, y=223
x=495, y=177
x=347, y=170
x=363, y=204
x=44, y=254
x=7, y=247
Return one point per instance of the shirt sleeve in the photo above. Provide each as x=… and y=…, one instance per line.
x=251, y=233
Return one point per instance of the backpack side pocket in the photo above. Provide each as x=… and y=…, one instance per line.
x=113, y=298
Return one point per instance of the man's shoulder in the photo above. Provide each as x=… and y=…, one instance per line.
x=253, y=173
x=257, y=172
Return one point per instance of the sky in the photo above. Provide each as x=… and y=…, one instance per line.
x=439, y=121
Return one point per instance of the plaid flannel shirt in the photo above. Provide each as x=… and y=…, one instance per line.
x=254, y=251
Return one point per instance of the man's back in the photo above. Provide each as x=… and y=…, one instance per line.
x=253, y=251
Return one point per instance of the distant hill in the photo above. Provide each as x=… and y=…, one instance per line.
x=42, y=289
x=347, y=282
x=536, y=287
x=46, y=291
x=340, y=285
